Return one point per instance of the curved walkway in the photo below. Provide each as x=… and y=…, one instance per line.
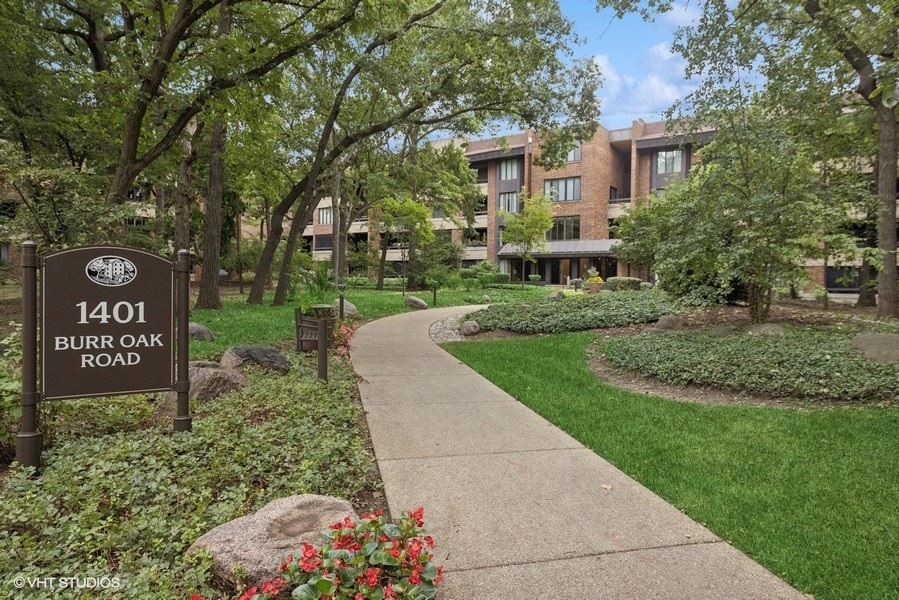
x=519, y=509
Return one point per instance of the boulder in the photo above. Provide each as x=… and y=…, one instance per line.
x=671, y=323
x=772, y=329
x=469, y=328
x=557, y=295
x=258, y=543
x=349, y=309
x=200, y=332
x=266, y=358
x=485, y=298
x=878, y=346
x=416, y=303
x=210, y=380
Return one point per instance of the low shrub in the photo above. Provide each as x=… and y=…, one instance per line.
x=804, y=363
x=624, y=283
x=576, y=313
x=502, y=278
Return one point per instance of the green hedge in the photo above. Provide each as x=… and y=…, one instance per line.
x=576, y=313
x=624, y=283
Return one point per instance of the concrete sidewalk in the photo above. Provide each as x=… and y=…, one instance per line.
x=518, y=508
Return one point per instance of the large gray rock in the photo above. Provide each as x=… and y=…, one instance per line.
x=266, y=358
x=878, y=346
x=416, y=303
x=200, y=332
x=557, y=295
x=349, y=309
x=210, y=380
x=771, y=329
x=258, y=543
x=671, y=323
x=469, y=328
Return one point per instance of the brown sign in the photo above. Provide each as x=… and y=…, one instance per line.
x=108, y=322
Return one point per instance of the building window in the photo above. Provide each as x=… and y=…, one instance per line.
x=4, y=253
x=326, y=216
x=508, y=170
x=565, y=228
x=563, y=190
x=574, y=155
x=481, y=208
x=477, y=237
x=668, y=162
x=508, y=202
x=481, y=173
x=323, y=242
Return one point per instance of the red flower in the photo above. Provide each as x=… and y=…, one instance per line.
x=439, y=577
x=371, y=576
x=415, y=577
x=358, y=596
x=388, y=591
x=395, y=551
x=309, y=551
x=414, y=548
x=418, y=514
x=286, y=563
x=429, y=541
x=273, y=586
x=248, y=594
x=347, y=523
x=196, y=597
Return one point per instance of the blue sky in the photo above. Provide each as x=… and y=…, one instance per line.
x=641, y=76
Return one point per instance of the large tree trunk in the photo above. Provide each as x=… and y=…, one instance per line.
x=184, y=188
x=382, y=264
x=297, y=225
x=160, y=211
x=887, y=300
x=336, y=203
x=212, y=237
x=866, y=291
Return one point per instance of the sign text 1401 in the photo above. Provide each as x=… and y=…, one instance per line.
x=122, y=312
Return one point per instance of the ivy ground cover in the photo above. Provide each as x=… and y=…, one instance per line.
x=124, y=500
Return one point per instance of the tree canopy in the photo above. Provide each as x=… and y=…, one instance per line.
x=744, y=221
x=814, y=61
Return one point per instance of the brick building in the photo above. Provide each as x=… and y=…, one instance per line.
x=601, y=177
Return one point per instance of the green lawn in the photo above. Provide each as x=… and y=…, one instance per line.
x=240, y=323
x=811, y=494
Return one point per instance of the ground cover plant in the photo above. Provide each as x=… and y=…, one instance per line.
x=576, y=312
x=809, y=363
x=127, y=504
x=811, y=494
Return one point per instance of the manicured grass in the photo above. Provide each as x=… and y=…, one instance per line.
x=810, y=494
x=239, y=323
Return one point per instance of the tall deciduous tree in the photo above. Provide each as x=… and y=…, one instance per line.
x=807, y=52
x=526, y=230
x=447, y=64
x=133, y=74
x=747, y=218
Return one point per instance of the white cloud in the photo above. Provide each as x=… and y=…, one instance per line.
x=611, y=79
x=625, y=98
x=662, y=52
